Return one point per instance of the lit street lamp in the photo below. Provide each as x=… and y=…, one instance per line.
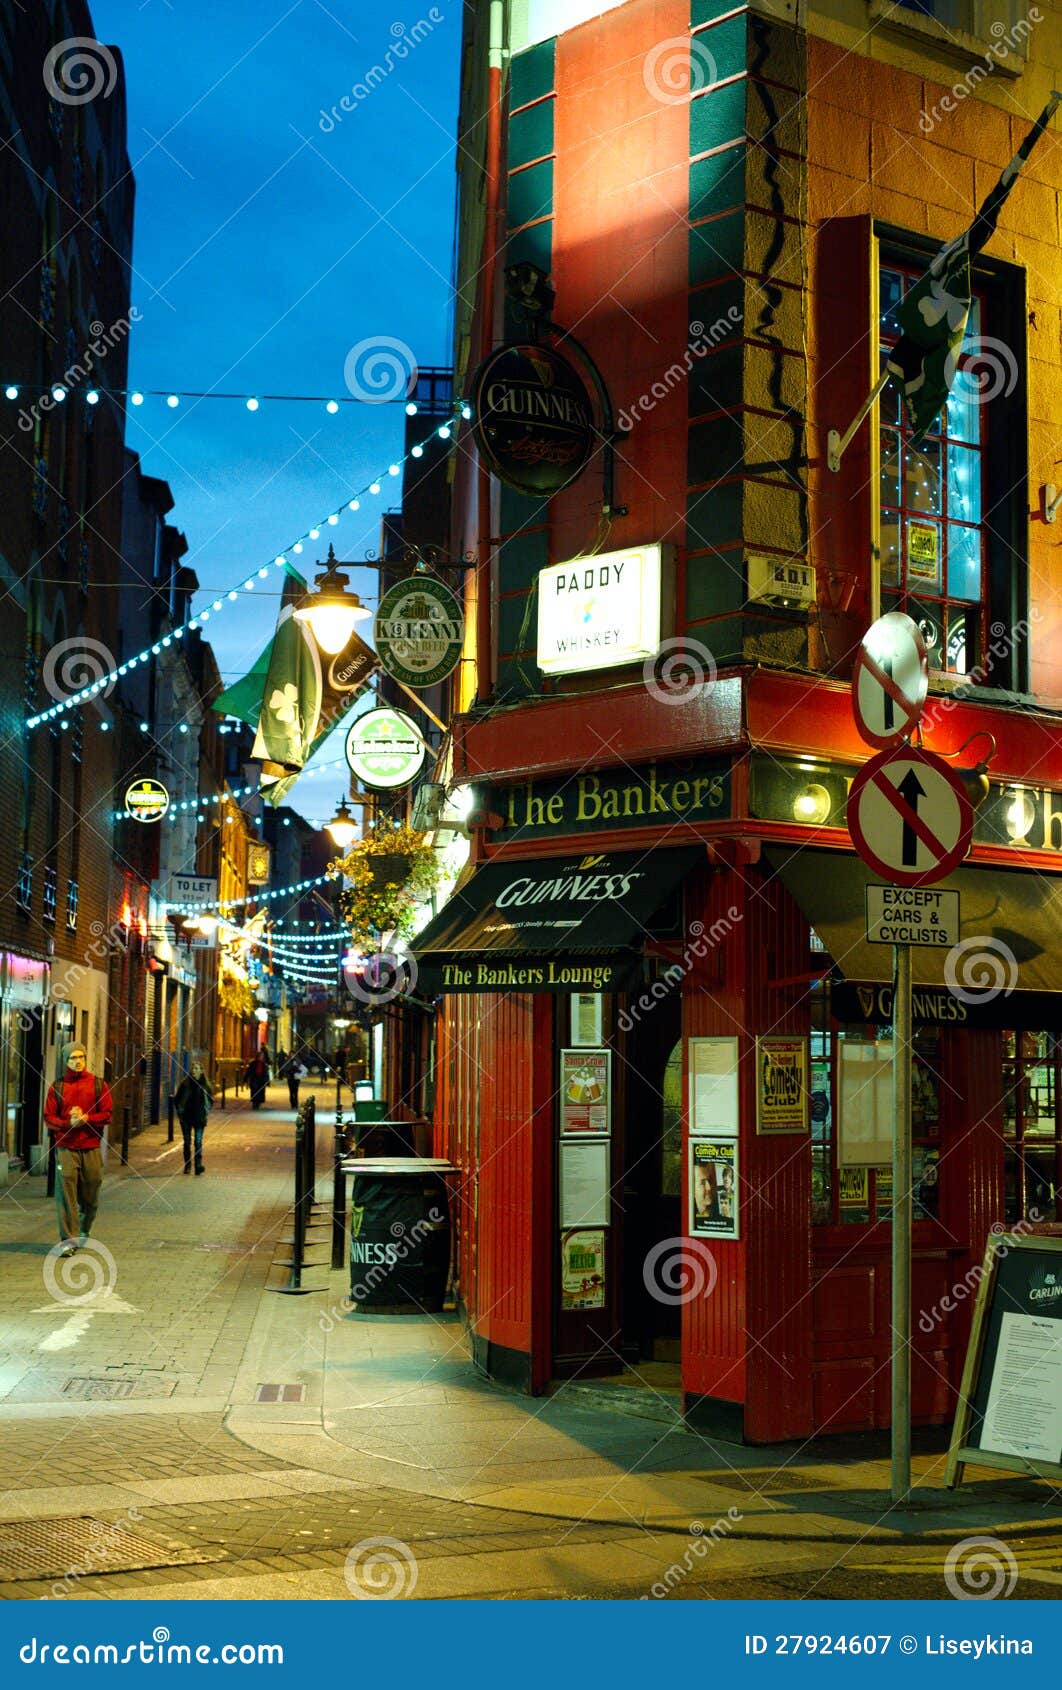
x=330, y=609
x=342, y=828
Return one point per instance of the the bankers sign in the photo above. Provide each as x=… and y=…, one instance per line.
x=533, y=420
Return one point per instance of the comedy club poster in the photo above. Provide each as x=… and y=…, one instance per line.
x=713, y=1188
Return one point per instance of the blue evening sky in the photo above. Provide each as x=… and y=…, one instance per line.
x=266, y=246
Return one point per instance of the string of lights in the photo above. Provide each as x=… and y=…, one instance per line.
x=255, y=896
x=137, y=396
x=444, y=432
x=233, y=792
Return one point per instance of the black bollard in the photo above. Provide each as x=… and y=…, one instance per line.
x=125, y=1130
x=169, y=1119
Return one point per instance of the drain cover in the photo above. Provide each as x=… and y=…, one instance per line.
x=280, y=1393
x=89, y=1390
x=79, y=1547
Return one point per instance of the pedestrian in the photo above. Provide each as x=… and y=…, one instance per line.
x=257, y=1077
x=76, y=1111
x=293, y=1070
x=193, y=1102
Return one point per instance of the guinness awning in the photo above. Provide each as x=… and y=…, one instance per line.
x=1006, y=970
x=550, y=924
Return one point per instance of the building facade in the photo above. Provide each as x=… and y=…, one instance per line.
x=728, y=208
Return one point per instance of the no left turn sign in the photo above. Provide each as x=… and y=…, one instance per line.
x=890, y=680
x=909, y=817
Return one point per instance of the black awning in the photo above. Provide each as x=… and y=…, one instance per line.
x=1006, y=970
x=550, y=924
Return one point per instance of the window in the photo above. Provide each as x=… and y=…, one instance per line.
x=933, y=533
x=1032, y=1155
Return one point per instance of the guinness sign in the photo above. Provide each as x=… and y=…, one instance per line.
x=533, y=420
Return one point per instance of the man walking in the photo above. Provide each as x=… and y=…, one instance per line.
x=76, y=1111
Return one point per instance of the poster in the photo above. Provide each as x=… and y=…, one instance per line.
x=1024, y=1412
x=713, y=1188
x=583, y=1269
x=923, y=551
x=586, y=1018
x=584, y=1177
x=782, y=1085
x=585, y=1102
x=864, y=1136
x=853, y=1185
x=714, y=1086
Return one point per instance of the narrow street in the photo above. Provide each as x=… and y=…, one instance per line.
x=143, y=1462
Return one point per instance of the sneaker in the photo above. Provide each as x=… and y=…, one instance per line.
x=69, y=1248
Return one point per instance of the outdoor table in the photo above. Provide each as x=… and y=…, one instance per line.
x=399, y=1233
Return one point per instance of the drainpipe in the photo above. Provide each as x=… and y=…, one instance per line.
x=489, y=268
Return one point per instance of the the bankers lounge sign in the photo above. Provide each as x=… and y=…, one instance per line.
x=599, y=612
x=533, y=420
x=605, y=800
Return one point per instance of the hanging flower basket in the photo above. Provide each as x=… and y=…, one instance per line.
x=389, y=868
x=389, y=873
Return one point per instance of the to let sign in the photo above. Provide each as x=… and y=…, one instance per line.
x=912, y=915
x=909, y=817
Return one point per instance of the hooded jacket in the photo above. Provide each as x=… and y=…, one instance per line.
x=79, y=1090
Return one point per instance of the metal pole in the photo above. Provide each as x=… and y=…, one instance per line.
x=169, y=1119
x=901, y=1225
x=125, y=1133
x=339, y=1187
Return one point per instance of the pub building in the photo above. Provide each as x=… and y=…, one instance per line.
x=662, y=1039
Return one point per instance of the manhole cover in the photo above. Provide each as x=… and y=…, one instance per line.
x=79, y=1547
x=87, y=1390
x=280, y=1393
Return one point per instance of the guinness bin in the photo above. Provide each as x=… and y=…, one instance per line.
x=399, y=1240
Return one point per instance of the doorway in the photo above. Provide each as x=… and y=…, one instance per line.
x=652, y=1186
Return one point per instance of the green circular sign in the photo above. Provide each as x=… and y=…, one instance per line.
x=384, y=748
x=419, y=631
x=146, y=800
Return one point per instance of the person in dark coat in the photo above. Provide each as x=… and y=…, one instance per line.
x=257, y=1077
x=193, y=1103
x=293, y=1071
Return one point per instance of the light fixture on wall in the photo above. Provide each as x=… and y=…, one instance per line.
x=330, y=609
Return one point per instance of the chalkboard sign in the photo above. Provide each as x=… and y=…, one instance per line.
x=1010, y=1408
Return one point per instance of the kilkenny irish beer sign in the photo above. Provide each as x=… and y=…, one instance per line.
x=534, y=422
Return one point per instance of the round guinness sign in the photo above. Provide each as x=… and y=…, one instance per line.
x=146, y=800
x=533, y=420
x=419, y=631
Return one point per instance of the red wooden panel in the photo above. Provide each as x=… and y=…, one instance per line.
x=847, y=1396
x=844, y=1302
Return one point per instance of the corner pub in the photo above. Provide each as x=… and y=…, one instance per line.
x=684, y=1159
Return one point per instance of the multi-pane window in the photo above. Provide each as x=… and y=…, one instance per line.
x=933, y=538
x=1032, y=1156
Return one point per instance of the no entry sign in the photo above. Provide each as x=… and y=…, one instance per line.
x=890, y=680
x=909, y=817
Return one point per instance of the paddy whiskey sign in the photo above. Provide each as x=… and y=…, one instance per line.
x=602, y=611
x=533, y=420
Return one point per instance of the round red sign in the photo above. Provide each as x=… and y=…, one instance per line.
x=909, y=817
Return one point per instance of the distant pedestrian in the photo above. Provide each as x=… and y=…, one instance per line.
x=257, y=1077
x=293, y=1070
x=193, y=1102
x=76, y=1111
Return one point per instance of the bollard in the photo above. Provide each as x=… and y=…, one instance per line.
x=169, y=1120
x=223, y=1105
x=125, y=1130
x=339, y=1201
x=50, y=1186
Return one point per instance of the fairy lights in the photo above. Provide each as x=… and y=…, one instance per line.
x=280, y=561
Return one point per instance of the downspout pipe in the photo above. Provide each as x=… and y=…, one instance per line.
x=488, y=295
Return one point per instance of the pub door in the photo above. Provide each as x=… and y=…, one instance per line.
x=652, y=1183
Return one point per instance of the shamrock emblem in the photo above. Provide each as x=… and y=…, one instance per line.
x=285, y=704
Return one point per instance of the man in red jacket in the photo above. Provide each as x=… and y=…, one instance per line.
x=76, y=1110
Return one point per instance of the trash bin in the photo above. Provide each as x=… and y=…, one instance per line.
x=399, y=1238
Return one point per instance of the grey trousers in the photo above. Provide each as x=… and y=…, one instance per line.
x=78, y=1177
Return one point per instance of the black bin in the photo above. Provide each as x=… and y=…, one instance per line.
x=399, y=1241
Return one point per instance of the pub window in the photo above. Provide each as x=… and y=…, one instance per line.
x=933, y=535
x=1032, y=1153
x=850, y=1196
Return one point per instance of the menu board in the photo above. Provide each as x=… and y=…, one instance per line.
x=865, y=1103
x=714, y=1086
x=1010, y=1412
x=584, y=1184
x=585, y=1101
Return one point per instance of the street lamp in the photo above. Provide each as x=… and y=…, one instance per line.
x=330, y=609
x=342, y=828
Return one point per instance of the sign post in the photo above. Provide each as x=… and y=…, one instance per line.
x=911, y=821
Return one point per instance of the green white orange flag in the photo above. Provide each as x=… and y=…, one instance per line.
x=932, y=315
